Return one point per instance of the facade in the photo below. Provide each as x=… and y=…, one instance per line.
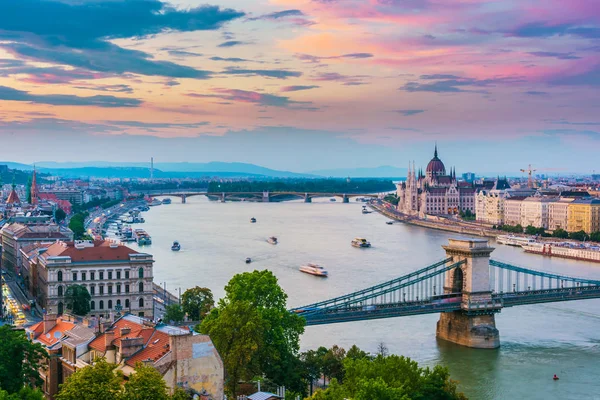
x=489, y=204
x=584, y=215
x=435, y=192
x=512, y=210
x=558, y=214
x=17, y=235
x=74, y=196
x=113, y=274
x=534, y=211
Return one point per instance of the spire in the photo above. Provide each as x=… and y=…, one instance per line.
x=34, y=191
x=435, y=151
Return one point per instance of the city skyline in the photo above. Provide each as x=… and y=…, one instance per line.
x=354, y=83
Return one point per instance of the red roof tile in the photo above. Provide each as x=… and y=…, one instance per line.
x=100, y=251
x=156, y=347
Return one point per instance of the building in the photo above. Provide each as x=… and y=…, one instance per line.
x=558, y=213
x=468, y=177
x=34, y=188
x=114, y=275
x=489, y=204
x=435, y=192
x=74, y=196
x=512, y=210
x=17, y=235
x=584, y=215
x=534, y=211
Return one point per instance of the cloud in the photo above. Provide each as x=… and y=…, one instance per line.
x=552, y=54
x=590, y=77
x=232, y=43
x=317, y=59
x=270, y=73
x=47, y=75
x=349, y=80
x=455, y=84
x=543, y=29
x=408, y=113
x=297, y=88
x=183, y=53
x=536, y=93
x=10, y=94
x=139, y=124
x=246, y=96
x=566, y=122
x=229, y=59
x=279, y=15
x=108, y=88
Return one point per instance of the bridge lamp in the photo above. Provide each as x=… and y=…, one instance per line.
x=514, y=287
x=404, y=297
x=434, y=290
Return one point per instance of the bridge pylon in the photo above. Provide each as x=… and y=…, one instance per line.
x=475, y=324
x=183, y=199
x=266, y=197
x=307, y=198
x=345, y=199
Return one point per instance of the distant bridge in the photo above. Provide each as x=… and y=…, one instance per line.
x=467, y=288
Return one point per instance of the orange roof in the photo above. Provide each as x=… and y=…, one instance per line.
x=54, y=334
x=100, y=251
x=157, y=346
x=136, y=330
x=13, y=198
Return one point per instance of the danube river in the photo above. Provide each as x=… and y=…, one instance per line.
x=537, y=341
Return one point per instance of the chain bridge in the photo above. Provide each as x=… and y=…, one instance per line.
x=467, y=288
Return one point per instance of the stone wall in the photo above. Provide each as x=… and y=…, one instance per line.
x=472, y=331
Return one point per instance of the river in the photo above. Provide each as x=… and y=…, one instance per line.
x=536, y=341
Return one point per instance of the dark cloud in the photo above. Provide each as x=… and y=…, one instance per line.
x=158, y=125
x=229, y=59
x=50, y=75
x=536, y=93
x=440, y=76
x=408, y=113
x=10, y=94
x=349, y=80
x=542, y=29
x=246, y=96
x=317, y=59
x=587, y=78
x=108, y=88
x=232, y=43
x=552, y=54
x=279, y=15
x=183, y=53
x=297, y=88
x=566, y=122
x=270, y=73
x=455, y=84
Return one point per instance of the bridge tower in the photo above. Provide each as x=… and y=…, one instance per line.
x=475, y=324
x=345, y=199
x=183, y=199
x=265, y=196
x=223, y=197
x=307, y=198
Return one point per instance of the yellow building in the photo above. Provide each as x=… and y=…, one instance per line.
x=584, y=215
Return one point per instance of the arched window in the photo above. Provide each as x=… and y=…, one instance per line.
x=92, y=305
x=101, y=305
x=141, y=272
x=110, y=304
x=59, y=278
x=118, y=302
x=127, y=303
x=60, y=308
x=141, y=287
x=141, y=302
x=60, y=291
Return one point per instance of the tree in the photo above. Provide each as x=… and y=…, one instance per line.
x=28, y=190
x=20, y=360
x=145, y=384
x=530, y=230
x=26, y=393
x=581, y=236
x=595, y=236
x=354, y=353
x=77, y=299
x=77, y=225
x=333, y=363
x=197, y=302
x=94, y=382
x=60, y=215
x=560, y=233
x=174, y=313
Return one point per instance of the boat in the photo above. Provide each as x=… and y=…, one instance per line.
x=142, y=237
x=253, y=220
x=389, y=222
x=575, y=251
x=365, y=211
x=332, y=199
x=512, y=240
x=272, y=240
x=155, y=202
x=166, y=201
x=314, y=269
x=176, y=246
x=360, y=243
x=248, y=260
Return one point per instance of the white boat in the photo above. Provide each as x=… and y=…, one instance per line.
x=176, y=246
x=564, y=250
x=512, y=240
x=166, y=201
x=360, y=243
x=314, y=269
x=272, y=240
x=155, y=202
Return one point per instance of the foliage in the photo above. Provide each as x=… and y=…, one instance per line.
x=94, y=382
x=581, y=236
x=305, y=185
x=174, y=312
x=392, y=198
x=180, y=394
x=254, y=332
x=28, y=190
x=103, y=202
x=60, y=215
x=77, y=225
x=197, y=302
x=390, y=377
x=145, y=384
x=26, y=393
x=560, y=233
x=20, y=360
x=77, y=299
x=595, y=236
x=510, y=228
x=532, y=230
x=467, y=215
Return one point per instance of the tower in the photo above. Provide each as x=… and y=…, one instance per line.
x=34, y=189
x=151, y=168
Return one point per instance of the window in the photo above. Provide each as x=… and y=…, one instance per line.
x=101, y=305
x=92, y=276
x=83, y=276
x=118, y=302
x=126, y=274
x=109, y=274
x=74, y=276
x=60, y=291
x=141, y=272
x=141, y=314
x=141, y=287
x=126, y=288
x=101, y=289
x=119, y=288
x=118, y=274
x=92, y=305
x=101, y=275
x=59, y=277
x=109, y=289
x=92, y=290
x=141, y=302
x=127, y=303
x=110, y=304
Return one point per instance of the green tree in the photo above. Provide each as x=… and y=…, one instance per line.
x=28, y=190
x=354, y=353
x=94, y=382
x=180, y=394
x=580, y=235
x=26, y=393
x=197, y=302
x=333, y=363
x=77, y=225
x=595, y=236
x=560, y=233
x=531, y=230
x=145, y=384
x=174, y=313
x=60, y=215
x=20, y=360
x=77, y=299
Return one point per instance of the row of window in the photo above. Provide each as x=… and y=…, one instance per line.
x=92, y=289
x=110, y=304
x=83, y=275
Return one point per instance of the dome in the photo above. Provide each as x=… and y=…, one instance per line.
x=436, y=166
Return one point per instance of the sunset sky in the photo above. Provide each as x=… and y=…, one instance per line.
x=303, y=84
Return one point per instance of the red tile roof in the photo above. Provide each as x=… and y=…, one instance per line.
x=100, y=251
x=156, y=347
x=54, y=334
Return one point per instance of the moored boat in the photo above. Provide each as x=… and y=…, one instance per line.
x=564, y=250
x=176, y=246
x=248, y=260
x=314, y=269
x=512, y=240
x=166, y=201
x=360, y=243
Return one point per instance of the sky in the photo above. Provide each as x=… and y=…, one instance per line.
x=303, y=84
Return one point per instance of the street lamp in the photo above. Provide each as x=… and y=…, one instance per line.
x=118, y=309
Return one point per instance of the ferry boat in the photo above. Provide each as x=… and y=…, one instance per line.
x=332, y=199
x=155, y=202
x=248, y=260
x=176, y=246
x=166, y=201
x=360, y=243
x=253, y=220
x=512, y=240
x=565, y=250
x=314, y=269
x=272, y=240
x=142, y=237
x=389, y=222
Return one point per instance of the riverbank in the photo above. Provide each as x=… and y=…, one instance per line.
x=440, y=224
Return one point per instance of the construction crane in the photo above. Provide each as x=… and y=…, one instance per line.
x=529, y=171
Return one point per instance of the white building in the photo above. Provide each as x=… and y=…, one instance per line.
x=489, y=204
x=558, y=213
x=512, y=210
x=534, y=211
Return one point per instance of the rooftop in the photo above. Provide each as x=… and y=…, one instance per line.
x=98, y=250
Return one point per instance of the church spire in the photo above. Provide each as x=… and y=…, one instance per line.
x=435, y=155
x=34, y=191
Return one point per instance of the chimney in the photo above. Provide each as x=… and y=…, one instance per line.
x=125, y=330
x=129, y=346
x=49, y=322
x=109, y=336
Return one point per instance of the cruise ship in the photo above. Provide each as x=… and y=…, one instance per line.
x=512, y=240
x=314, y=269
x=565, y=250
